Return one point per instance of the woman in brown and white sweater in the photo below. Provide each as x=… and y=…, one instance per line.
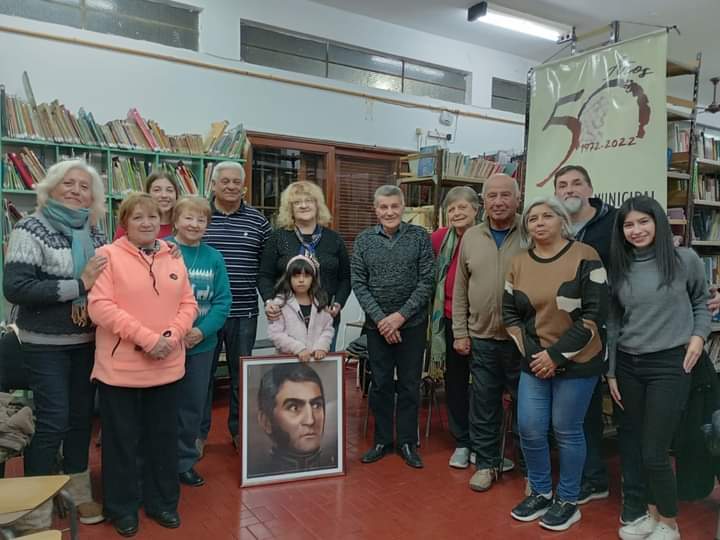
x=554, y=308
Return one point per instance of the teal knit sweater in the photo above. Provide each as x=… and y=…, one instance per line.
x=209, y=280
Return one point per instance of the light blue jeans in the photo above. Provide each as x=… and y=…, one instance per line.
x=562, y=402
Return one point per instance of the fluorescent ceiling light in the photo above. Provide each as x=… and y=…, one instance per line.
x=516, y=21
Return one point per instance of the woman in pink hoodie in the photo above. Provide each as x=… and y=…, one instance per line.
x=143, y=305
x=305, y=328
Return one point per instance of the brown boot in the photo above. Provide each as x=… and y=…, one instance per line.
x=89, y=511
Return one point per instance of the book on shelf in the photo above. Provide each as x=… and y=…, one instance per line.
x=183, y=175
x=713, y=349
x=129, y=174
x=25, y=166
x=706, y=224
x=708, y=146
x=459, y=164
x=24, y=119
x=712, y=268
x=11, y=215
x=707, y=188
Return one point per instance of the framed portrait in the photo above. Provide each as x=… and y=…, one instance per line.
x=292, y=418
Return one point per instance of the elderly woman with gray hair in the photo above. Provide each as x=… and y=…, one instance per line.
x=50, y=266
x=554, y=308
x=461, y=207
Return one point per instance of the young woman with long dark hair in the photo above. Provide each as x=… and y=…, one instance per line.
x=656, y=331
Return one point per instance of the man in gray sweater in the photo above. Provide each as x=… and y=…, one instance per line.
x=392, y=269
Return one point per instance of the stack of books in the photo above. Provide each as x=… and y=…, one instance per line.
x=129, y=174
x=459, y=164
x=23, y=169
x=24, y=119
x=223, y=142
x=183, y=175
x=707, y=188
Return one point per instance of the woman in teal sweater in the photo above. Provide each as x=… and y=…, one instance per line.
x=208, y=276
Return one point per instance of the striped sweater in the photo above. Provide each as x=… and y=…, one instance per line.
x=560, y=305
x=240, y=238
x=38, y=277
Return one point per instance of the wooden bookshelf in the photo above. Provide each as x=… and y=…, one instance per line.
x=678, y=221
x=701, y=202
x=705, y=243
x=708, y=165
x=102, y=157
x=440, y=163
x=678, y=69
x=678, y=175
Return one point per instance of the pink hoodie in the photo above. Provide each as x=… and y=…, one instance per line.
x=289, y=334
x=131, y=316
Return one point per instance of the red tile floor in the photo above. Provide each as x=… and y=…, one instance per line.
x=384, y=500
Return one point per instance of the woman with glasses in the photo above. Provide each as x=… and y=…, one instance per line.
x=302, y=222
x=143, y=306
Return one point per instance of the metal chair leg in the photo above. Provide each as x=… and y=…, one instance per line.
x=67, y=500
x=367, y=411
x=505, y=427
x=431, y=393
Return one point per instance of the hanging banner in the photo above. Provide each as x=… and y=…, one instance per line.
x=606, y=111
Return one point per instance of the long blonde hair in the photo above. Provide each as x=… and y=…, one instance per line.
x=285, y=219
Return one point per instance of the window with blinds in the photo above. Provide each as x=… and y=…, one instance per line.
x=357, y=179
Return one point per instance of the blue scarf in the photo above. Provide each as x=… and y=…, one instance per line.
x=74, y=224
x=308, y=248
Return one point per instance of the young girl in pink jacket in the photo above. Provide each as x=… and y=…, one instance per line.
x=305, y=328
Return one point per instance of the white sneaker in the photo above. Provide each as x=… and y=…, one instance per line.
x=641, y=528
x=664, y=532
x=507, y=465
x=460, y=458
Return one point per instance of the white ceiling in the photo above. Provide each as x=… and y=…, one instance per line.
x=696, y=19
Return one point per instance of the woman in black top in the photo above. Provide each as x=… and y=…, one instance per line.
x=302, y=230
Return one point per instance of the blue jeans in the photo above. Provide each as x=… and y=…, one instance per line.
x=238, y=335
x=564, y=402
x=64, y=398
x=192, y=397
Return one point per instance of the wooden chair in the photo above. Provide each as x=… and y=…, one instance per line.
x=20, y=496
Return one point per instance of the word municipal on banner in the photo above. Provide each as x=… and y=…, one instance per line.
x=606, y=111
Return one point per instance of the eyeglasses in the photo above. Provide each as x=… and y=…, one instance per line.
x=304, y=202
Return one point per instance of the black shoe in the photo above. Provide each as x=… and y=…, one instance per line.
x=588, y=493
x=126, y=525
x=560, y=516
x=191, y=478
x=532, y=507
x=376, y=453
x=170, y=520
x=410, y=456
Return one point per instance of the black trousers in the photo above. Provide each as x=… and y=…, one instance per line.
x=654, y=390
x=495, y=366
x=595, y=472
x=407, y=358
x=457, y=389
x=139, y=422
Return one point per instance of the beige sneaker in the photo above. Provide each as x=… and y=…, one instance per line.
x=79, y=488
x=482, y=480
x=90, y=513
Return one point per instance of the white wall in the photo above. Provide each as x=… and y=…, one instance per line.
x=185, y=98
